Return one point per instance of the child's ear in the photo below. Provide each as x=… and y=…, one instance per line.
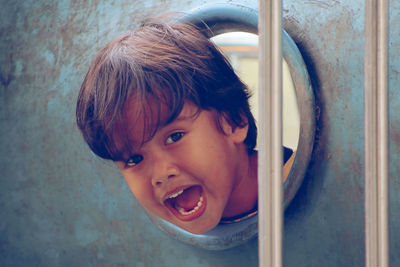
x=238, y=134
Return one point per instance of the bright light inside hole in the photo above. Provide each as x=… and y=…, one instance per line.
x=241, y=48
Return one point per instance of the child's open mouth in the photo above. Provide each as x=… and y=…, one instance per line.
x=187, y=204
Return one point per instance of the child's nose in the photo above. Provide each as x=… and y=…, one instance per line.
x=163, y=174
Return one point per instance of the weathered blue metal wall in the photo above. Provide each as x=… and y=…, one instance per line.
x=62, y=206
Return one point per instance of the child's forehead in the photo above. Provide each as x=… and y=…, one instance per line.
x=154, y=114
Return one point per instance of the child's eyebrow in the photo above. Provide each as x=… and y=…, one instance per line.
x=183, y=117
x=177, y=120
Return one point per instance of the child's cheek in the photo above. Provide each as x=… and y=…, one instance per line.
x=137, y=188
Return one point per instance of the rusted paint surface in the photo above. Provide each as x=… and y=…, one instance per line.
x=61, y=206
x=330, y=208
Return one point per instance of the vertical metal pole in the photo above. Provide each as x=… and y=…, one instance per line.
x=270, y=145
x=376, y=133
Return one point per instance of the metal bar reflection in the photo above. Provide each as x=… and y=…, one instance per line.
x=376, y=133
x=270, y=145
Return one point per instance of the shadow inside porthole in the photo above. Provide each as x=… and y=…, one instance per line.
x=229, y=27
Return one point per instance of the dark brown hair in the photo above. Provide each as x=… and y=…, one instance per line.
x=169, y=62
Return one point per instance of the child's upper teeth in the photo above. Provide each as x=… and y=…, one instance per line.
x=176, y=194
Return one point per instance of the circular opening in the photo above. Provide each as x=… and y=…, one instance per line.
x=228, y=17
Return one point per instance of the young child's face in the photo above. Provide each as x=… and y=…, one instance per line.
x=186, y=173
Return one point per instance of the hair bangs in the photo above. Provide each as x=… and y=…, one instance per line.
x=146, y=111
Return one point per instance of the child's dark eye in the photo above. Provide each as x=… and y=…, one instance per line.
x=134, y=160
x=174, y=138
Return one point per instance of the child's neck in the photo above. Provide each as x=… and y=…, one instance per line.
x=244, y=196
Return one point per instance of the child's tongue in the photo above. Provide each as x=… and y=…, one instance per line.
x=189, y=198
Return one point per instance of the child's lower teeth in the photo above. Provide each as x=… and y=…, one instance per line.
x=183, y=212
